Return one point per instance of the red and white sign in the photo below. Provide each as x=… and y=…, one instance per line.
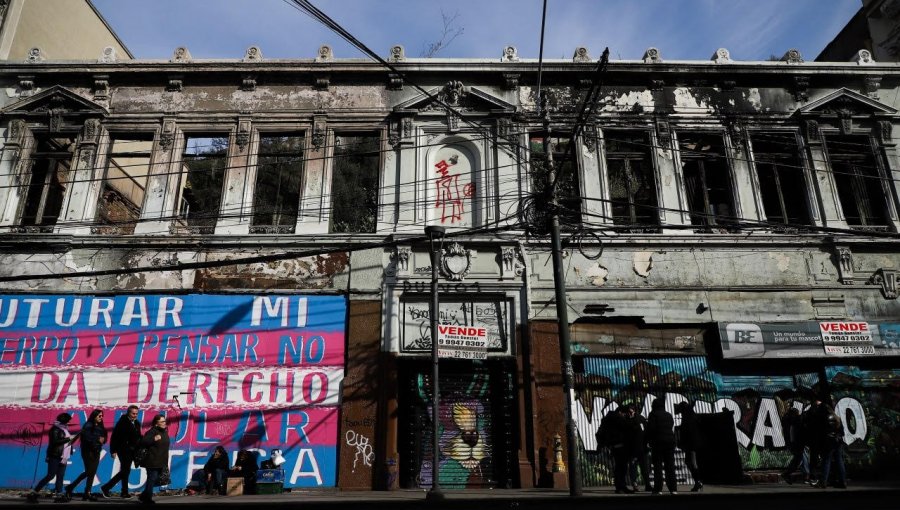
x=462, y=342
x=847, y=338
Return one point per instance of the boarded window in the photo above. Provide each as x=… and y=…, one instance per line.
x=279, y=170
x=354, y=183
x=632, y=186
x=50, y=176
x=124, y=185
x=859, y=182
x=204, y=161
x=707, y=179
x=568, y=190
x=781, y=179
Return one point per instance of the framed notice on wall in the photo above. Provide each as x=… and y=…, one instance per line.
x=493, y=315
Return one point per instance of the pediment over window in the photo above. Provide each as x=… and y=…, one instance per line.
x=55, y=99
x=845, y=102
x=463, y=99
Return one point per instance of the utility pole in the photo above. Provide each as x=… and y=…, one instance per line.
x=562, y=312
x=435, y=494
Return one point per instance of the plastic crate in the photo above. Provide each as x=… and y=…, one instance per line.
x=270, y=476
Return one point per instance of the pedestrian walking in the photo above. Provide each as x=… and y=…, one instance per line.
x=640, y=457
x=156, y=441
x=689, y=441
x=832, y=446
x=93, y=437
x=815, y=435
x=122, y=445
x=59, y=448
x=795, y=436
x=613, y=435
x=661, y=437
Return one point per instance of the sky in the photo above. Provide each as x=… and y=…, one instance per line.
x=680, y=29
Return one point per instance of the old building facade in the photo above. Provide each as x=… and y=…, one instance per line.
x=240, y=244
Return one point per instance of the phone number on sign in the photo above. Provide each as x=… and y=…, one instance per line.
x=849, y=349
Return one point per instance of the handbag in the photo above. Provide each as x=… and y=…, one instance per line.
x=165, y=477
x=139, y=455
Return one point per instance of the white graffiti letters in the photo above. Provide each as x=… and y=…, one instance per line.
x=363, y=448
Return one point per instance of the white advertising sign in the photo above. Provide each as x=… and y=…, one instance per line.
x=847, y=338
x=462, y=342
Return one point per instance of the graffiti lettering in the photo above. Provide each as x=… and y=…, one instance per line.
x=363, y=448
x=449, y=198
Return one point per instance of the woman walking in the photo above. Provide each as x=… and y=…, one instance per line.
x=93, y=436
x=156, y=441
x=689, y=441
x=59, y=448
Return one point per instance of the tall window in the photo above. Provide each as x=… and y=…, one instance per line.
x=354, y=183
x=279, y=169
x=205, y=161
x=859, y=183
x=632, y=188
x=568, y=190
x=782, y=186
x=125, y=183
x=707, y=179
x=50, y=176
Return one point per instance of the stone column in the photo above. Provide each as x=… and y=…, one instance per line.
x=595, y=185
x=885, y=133
x=673, y=206
x=235, y=211
x=410, y=206
x=315, y=198
x=747, y=205
x=832, y=213
x=512, y=180
x=79, y=208
x=15, y=164
x=164, y=183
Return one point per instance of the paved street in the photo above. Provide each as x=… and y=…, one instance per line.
x=872, y=496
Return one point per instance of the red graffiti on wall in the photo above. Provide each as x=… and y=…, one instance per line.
x=449, y=197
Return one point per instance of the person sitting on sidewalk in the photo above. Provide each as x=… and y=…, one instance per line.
x=214, y=471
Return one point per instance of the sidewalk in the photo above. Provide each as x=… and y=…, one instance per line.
x=868, y=496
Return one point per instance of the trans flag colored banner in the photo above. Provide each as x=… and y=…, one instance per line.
x=248, y=372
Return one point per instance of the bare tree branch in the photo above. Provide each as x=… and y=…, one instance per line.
x=449, y=32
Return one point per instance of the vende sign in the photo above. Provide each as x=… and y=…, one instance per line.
x=462, y=342
x=847, y=338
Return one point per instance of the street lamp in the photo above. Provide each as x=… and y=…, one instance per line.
x=434, y=232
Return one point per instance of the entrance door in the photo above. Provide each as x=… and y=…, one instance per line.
x=476, y=425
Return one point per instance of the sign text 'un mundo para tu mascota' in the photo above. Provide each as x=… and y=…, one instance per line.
x=241, y=371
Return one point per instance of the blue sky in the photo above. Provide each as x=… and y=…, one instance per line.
x=681, y=29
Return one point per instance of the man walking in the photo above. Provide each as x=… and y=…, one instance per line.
x=661, y=436
x=123, y=444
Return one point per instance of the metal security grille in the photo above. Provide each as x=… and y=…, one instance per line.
x=476, y=427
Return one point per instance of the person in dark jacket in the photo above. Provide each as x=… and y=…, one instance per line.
x=661, y=438
x=814, y=435
x=795, y=437
x=59, y=448
x=246, y=467
x=122, y=444
x=613, y=434
x=156, y=441
x=689, y=441
x=832, y=446
x=93, y=437
x=214, y=472
x=637, y=441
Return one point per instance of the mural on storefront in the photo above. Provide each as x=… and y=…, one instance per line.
x=757, y=403
x=241, y=371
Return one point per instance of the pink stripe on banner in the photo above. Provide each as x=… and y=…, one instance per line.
x=157, y=349
x=232, y=428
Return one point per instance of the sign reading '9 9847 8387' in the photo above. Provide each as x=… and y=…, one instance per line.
x=241, y=371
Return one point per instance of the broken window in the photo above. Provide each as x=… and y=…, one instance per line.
x=781, y=179
x=568, y=190
x=124, y=185
x=354, y=183
x=204, y=164
x=632, y=185
x=279, y=171
x=707, y=179
x=50, y=176
x=858, y=181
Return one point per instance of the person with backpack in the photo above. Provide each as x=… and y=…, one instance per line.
x=156, y=441
x=93, y=437
x=832, y=446
x=689, y=441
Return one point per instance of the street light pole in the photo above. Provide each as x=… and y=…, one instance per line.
x=435, y=232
